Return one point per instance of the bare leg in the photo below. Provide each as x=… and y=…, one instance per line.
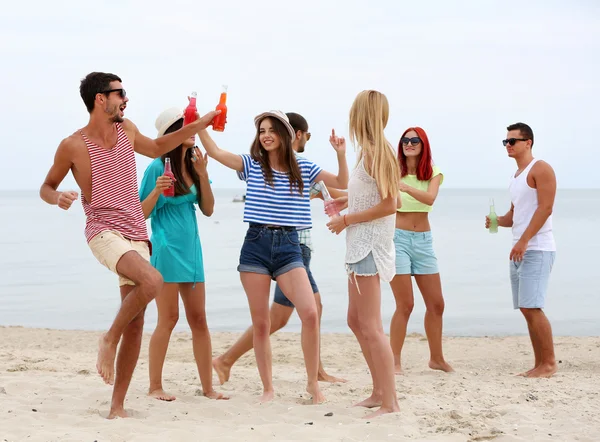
x=353, y=322
x=403, y=294
x=129, y=353
x=279, y=315
x=148, y=284
x=368, y=305
x=167, y=306
x=296, y=286
x=194, y=302
x=323, y=376
x=257, y=291
x=431, y=289
x=536, y=350
x=542, y=338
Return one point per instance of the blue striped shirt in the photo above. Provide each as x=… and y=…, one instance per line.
x=275, y=204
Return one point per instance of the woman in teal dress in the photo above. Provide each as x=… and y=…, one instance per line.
x=177, y=252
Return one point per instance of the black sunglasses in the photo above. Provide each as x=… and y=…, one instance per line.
x=121, y=92
x=307, y=136
x=513, y=141
x=414, y=141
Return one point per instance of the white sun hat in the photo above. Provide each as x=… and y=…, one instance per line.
x=166, y=119
x=280, y=116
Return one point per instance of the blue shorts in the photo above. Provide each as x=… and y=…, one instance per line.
x=414, y=253
x=270, y=251
x=364, y=267
x=529, y=278
x=279, y=297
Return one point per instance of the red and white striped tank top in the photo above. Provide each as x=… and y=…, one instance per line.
x=115, y=201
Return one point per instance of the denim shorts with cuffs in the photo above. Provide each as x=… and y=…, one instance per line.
x=414, y=253
x=529, y=278
x=279, y=297
x=270, y=250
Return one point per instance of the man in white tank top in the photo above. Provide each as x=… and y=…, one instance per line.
x=532, y=191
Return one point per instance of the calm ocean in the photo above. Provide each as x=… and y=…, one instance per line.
x=49, y=278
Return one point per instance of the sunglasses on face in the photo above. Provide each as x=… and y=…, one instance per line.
x=307, y=136
x=413, y=141
x=121, y=92
x=513, y=141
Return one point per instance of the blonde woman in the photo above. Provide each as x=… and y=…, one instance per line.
x=370, y=253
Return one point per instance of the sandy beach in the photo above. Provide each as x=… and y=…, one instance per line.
x=49, y=391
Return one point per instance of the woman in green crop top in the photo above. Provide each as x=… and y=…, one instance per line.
x=420, y=181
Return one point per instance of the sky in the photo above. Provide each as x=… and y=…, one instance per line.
x=462, y=70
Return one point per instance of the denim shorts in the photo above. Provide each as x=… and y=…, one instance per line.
x=364, y=267
x=529, y=278
x=270, y=251
x=279, y=297
x=414, y=253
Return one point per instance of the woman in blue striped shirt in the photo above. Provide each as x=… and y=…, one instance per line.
x=277, y=203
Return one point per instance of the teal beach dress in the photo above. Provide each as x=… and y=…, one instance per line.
x=176, y=249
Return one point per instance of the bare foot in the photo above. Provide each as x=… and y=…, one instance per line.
x=117, y=412
x=324, y=377
x=106, y=360
x=526, y=373
x=222, y=370
x=371, y=402
x=161, y=395
x=267, y=396
x=216, y=395
x=543, y=371
x=443, y=366
x=383, y=410
x=315, y=392
x=398, y=369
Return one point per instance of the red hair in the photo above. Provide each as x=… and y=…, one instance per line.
x=424, y=168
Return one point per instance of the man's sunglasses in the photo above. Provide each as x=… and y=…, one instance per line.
x=414, y=141
x=121, y=92
x=513, y=141
x=307, y=136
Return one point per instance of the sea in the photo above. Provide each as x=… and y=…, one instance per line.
x=50, y=279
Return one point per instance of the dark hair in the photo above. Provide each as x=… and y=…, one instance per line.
x=177, y=166
x=287, y=156
x=297, y=121
x=93, y=84
x=424, y=168
x=525, y=130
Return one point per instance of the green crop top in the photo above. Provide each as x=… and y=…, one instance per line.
x=410, y=204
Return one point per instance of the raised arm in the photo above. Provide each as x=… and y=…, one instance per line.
x=160, y=146
x=57, y=173
x=226, y=158
x=426, y=197
x=339, y=181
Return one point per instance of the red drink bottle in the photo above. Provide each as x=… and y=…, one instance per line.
x=168, y=172
x=189, y=115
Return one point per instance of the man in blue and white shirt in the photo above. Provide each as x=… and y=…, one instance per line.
x=282, y=308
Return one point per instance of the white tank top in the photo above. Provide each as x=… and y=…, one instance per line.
x=525, y=201
x=375, y=236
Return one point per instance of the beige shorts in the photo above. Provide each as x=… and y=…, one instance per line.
x=109, y=246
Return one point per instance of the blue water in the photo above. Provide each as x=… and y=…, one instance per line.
x=49, y=278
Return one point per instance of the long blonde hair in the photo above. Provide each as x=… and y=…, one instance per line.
x=368, y=117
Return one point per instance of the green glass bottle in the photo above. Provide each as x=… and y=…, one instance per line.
x=493, y=218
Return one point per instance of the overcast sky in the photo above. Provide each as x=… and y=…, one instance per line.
x=462, y=70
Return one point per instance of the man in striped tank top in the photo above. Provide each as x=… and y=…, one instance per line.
x=532, y=191
x=101, y=158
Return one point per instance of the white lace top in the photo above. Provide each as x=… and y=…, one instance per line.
x=375, y=236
